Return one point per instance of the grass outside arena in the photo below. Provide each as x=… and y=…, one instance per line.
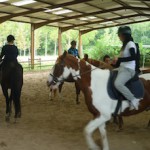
x=59, y=124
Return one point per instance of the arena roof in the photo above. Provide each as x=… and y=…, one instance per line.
x=83, y=15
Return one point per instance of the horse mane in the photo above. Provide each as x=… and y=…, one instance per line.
x=97, y=63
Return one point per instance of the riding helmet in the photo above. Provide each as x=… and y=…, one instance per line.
x=10, y=38
x=124, y=30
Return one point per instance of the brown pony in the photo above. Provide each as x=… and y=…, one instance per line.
x=70, y=80
x=93, y=83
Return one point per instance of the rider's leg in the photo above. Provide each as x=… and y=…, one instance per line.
x=124, y=75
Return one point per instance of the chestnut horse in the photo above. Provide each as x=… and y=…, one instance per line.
x=93, y=83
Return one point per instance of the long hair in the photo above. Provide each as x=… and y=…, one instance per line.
x=128, y=38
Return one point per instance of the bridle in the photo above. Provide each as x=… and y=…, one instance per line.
x=57, y=80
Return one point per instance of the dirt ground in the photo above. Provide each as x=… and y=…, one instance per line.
x=59, y=124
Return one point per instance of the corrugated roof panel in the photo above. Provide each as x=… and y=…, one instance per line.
x=81, y=11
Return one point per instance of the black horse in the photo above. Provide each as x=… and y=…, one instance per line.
x=12, y=78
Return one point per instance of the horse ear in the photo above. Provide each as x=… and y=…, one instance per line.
x=64, y=54
x=86, y=57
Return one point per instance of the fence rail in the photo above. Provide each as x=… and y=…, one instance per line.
x=145, y=60
x=38, y=63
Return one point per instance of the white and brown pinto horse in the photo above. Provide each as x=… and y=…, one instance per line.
x=118, y=119
x=95, y=63
x=93, y=83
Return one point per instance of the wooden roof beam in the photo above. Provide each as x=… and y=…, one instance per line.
x=102, y=21
x=145, y=3
x=38, y=25
x=89, y=30
x=64, y=4
x=3, y=19
x=126, y=5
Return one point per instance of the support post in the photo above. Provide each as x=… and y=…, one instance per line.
x=32, y=46
x=59, y=41
x=80, y=44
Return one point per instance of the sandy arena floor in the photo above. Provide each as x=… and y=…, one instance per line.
x=59, y=124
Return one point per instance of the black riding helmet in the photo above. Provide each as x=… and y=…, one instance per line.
x=10, y=38
x=124, y=30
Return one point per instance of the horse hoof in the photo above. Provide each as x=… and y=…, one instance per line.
x=78, y=103
x=7, y=118
x=94, y=148
x=15, y=120
x=19, y=115
x=50, y=99
x=119, y=129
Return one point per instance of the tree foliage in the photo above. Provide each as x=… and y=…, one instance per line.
x=96, y=43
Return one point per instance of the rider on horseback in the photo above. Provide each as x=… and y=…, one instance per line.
x=127, y=64
x=9, y=51
x=72, y=50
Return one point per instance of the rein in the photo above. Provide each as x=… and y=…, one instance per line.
x=85, y=72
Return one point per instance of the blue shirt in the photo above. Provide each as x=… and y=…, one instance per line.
x=73, y=51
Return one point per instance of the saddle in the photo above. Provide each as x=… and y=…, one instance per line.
x=135, y=85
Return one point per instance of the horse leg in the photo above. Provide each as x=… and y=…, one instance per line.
x=16, y=99
x=115, y=119
x=91, y=127
x=60, y=89
x=5, y=92
x=104, y=137
x=50, y=94
x=148, y=124
x=77, y=92
x=120, y=122
x=10, y=105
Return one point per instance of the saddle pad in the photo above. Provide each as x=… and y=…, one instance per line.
x=135, y=85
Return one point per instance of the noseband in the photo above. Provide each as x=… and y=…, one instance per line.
x=55, y=79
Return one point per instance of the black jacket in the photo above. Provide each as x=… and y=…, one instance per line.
x=9, y=52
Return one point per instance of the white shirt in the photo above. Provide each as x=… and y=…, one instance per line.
x=126, y=53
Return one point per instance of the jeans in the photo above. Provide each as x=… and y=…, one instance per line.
x=124, y=75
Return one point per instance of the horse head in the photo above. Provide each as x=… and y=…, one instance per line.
x=86, y=57
x=64, y=67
